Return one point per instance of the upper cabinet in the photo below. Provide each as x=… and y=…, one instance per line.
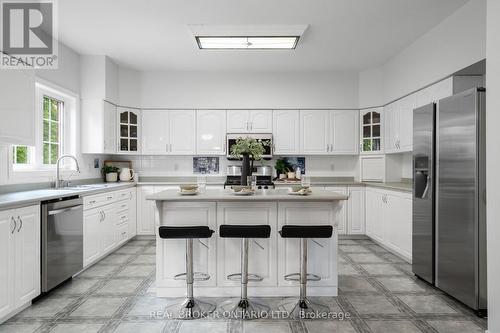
x=168, y=132
x=17, y=107
x=211, y=132
x=249, y=121
x=99, y=78
x=329, y=132
x=128, y=120
x=371, y=131
x=98, y=127
x=286, y=132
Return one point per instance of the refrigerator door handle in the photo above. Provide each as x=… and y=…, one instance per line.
x=426, y=190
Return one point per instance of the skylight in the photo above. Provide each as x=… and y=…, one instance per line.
x=247, y=42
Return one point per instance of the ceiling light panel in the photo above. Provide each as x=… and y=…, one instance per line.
x=247, y=43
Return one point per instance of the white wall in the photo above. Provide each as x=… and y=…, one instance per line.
x=129, y=87
x=249, y=90
x=457, y=42
x=493, y=161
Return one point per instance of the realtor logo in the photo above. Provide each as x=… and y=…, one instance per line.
x=28, y=34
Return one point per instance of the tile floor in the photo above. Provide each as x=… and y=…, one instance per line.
x=377, y=290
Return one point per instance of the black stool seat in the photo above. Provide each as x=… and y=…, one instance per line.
x=244, y=231
x=306, y=231
x=169, y=232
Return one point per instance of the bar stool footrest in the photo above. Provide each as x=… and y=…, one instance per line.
x=251, y=277
x=296, y=277
x=197, y=276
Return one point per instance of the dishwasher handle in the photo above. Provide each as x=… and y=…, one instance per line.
x=63, y=210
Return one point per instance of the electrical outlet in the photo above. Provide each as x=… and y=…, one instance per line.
x=96, y=163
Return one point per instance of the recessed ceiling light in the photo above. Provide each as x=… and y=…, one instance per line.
x=247, y=42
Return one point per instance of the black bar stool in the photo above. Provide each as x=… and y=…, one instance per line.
x=189, y=308
x=244, y=308
x=305, y=308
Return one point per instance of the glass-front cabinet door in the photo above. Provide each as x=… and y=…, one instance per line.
x=371, y=131
x=128, y=130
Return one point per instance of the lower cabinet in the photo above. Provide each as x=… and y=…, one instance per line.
x=147, y=216
x=19, y=258
x=108, y=226
x=389, y=219
x=341, y=216
x=351, y=215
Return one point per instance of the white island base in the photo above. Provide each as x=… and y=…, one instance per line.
x=271, y=258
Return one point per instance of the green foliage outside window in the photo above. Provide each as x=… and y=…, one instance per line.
x=20, y=154
x=51, y=129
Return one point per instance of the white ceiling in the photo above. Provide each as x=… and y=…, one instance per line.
x=342, y=34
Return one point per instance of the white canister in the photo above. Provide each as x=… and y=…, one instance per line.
x=126, y=174
x=112, y=177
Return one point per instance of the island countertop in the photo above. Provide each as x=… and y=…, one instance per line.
x=317, y=195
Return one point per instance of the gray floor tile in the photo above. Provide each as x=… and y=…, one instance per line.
x=127, y=249
x=382, y=269
x=76, y=328
x=46, y=307
x=347, y=269
x=150, y=250
x=342, y=259
x=19, y=327
x=266, y=326
x=376, y=248
x=347, y=242
x=354, y=283
x=427, y=304
x=120, y=286
x=98, y=307
x=141, y=327
x=455, y=326
x=354, y=249
x=323, y=326
x=136, y=271
x=149, y=259
x=366, y=258
x=115, y=259
x=203, y=326
x=146, y=305
x=372, y=304
x=400, y=284
x=98, y=271
x=389, y=257
x=140, y=242
x=76, y=286
x=400, y=326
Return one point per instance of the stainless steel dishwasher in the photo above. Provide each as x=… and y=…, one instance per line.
x=62, y=240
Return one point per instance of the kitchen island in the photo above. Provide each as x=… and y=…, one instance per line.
x=271, y=258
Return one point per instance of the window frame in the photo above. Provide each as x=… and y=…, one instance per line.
x=67, y=130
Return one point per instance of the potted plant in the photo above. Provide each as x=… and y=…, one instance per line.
x=281, y=168
x=111, y=173
x=249, y=150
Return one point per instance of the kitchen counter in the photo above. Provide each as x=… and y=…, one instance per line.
x=15, y=199
x=151, y=180
x=398, y=186
x=260, y=195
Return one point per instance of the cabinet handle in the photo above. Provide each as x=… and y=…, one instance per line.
x=15, y=224
x=102, y=216
x=21, y=223
x=92, y=202
x=251, y=126
x=109, y=198
x=124, y=233
x=123, y=217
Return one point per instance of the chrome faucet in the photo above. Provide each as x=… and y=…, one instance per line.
x=58, y=181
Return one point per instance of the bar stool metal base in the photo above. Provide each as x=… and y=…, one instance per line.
x=244, y=309
x=306, y=309
x=190, y=308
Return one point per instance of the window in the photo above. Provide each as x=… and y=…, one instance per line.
x=52, y=115
x=55, y=131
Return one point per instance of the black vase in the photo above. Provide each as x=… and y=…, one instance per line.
x=246, y=169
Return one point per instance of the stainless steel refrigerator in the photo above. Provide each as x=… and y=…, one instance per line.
x=449, y=204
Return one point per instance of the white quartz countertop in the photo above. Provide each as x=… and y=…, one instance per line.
x=16, y=199
x=260, y=195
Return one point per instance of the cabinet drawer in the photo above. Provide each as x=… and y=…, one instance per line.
x=98, y=200
x=122, y=233
x=121, y=218
x=123, y=194
x=121, y=206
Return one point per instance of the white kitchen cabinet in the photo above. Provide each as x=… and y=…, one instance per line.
x=249, y=121
x=389, y=220
x=211, y=132
x=108, y=227
x=17, y=108
x=147, y=216
x=286, y=132
x=128, y=130
x=356, y=210
x=155, y=136
x=344, y=132
x=407, y=105
x=341, y=212
x=91, y=235
x=391, y=127
x=19, y=258
x=182, y=132
x=321, y=251
x=173, y=251
x=262, y=252
x=314, y=132
x=98, y=127
x=168, y=132
x=132, y=213
x=371, y=136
